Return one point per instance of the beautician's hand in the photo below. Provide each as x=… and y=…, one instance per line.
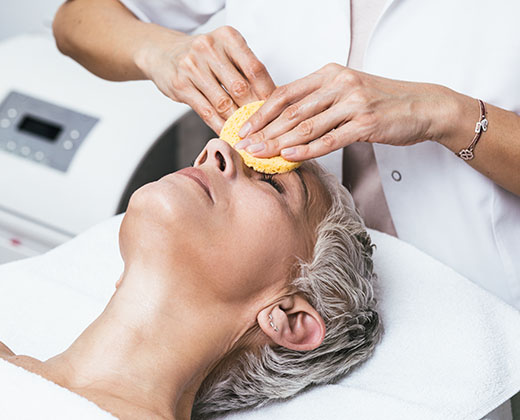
x=214, y=73
x=337, y=106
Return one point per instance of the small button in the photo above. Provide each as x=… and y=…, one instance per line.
x=396, y=176
x=25, y=150
x=67, y=145
x=12, y=113
x=4, y=123
x=11, y=145
x=74, y=134
x=39, y=155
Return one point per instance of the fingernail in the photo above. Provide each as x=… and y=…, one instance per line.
x=291, y=151
x=255, y=148
x=242, y=144
x=244, y=131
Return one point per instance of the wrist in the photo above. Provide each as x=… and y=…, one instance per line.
x=154, y=47
x=454, y=119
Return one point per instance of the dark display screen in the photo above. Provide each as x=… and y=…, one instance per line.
x=45, y=129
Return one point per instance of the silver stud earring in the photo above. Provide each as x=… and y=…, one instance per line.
x=271, y=323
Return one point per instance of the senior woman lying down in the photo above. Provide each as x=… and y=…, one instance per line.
x=238, y=289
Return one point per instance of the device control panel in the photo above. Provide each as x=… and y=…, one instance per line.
x=42, y=132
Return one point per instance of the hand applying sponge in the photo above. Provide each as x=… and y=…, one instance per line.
x=229, y=133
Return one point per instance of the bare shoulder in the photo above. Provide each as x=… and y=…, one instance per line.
x=26, y=362
x=5, y=351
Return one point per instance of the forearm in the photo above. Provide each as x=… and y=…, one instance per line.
x=106, y=38
x=497, y=153
x=213, y=73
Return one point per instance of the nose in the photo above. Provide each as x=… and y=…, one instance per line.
x=221, y=155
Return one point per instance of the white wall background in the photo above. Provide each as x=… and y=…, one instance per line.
x=26, y=16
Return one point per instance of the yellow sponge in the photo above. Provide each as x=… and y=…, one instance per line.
x=229, y=133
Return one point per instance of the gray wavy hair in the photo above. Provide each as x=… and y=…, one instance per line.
x=339, y=283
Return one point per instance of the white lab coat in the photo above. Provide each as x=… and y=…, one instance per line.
x=438, y=202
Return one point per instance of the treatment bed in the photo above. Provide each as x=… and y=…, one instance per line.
x=450, y=349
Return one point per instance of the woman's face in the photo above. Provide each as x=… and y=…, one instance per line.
x=232, y=230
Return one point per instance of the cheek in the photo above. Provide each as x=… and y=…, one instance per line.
x=263, y=219
x=247, y=250
x=264, y=239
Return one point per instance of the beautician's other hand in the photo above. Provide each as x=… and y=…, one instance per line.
x=214, y=73
x=336, y=106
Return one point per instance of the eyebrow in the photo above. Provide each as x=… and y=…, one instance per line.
x=304, y=188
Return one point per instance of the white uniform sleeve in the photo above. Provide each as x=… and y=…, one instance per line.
x=180, y=15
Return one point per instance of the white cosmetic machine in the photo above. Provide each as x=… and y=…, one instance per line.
x=73, y=147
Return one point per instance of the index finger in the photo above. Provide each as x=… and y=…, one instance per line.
x=281, y=98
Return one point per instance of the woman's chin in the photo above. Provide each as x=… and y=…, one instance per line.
x=165, y=200
x=165, y=217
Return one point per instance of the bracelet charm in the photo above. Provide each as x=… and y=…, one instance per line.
x=480, y=127
x=465, y=154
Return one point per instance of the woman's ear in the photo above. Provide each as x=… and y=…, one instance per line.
x=293, y=323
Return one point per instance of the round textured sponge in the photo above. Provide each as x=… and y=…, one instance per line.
x=229, y=133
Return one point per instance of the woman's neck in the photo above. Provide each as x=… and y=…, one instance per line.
x=150, y=348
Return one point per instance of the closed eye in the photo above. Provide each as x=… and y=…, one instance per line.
x=269, y=178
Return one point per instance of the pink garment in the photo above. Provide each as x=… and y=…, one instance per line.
x=360, y=172
x=363, y=18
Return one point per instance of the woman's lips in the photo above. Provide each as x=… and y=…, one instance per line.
x=199, y=177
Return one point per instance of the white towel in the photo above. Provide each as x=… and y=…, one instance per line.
x=26, y=396
x=450, y=350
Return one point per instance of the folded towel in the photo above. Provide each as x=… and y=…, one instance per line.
x=450, y=349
